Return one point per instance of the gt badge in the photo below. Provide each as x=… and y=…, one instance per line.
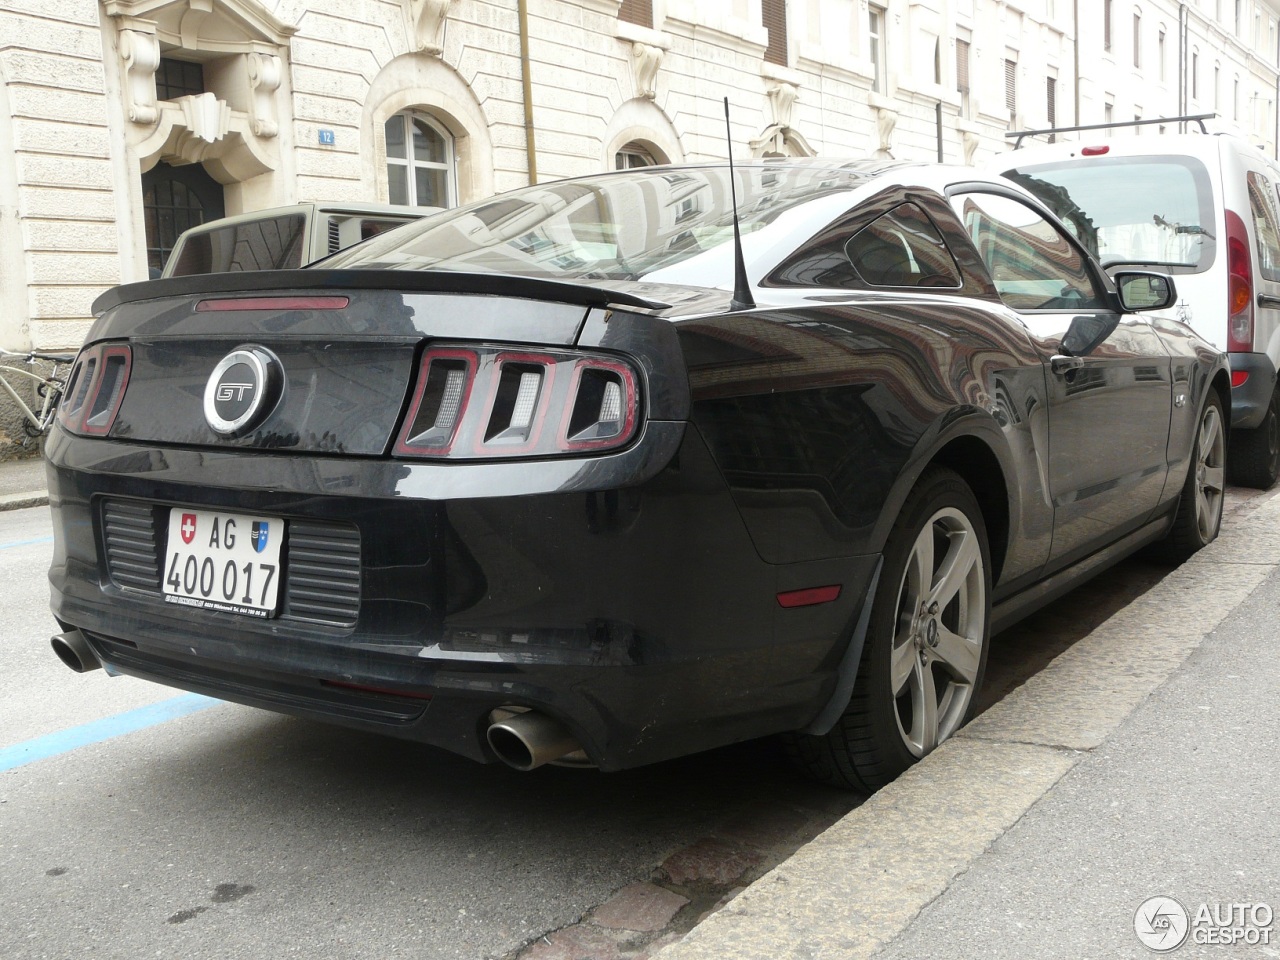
x=243, y=390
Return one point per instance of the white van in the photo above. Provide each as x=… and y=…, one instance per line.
x=1204, y=208
x=282, y=238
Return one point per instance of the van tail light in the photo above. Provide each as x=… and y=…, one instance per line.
x=473, y=403
x=1239, y=287
x=95, y=389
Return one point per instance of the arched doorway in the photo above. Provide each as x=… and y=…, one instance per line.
x=175, y=199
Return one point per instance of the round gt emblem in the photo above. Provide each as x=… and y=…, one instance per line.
x=242, y=390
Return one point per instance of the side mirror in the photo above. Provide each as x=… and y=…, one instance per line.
x=1086, y=333
x=1140, y=290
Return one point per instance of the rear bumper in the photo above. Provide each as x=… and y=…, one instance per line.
x=1249, y=400
x=641, y=616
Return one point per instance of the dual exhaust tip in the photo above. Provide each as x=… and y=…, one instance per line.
x=526, y=740
x=73, y=649
x=521, y=738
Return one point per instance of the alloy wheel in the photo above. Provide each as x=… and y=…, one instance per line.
x=937, y=644
x=1211, y=451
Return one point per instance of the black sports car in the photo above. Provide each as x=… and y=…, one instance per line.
x=535, y=480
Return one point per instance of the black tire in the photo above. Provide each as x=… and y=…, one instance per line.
x=871, y=743
x=1255, y=454
x=1199, y=516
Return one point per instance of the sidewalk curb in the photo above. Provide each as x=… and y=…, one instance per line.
x=862, y=882
x=17, y=501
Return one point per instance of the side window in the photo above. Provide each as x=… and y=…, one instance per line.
x=1033, y=265
x=1264, y=226
x=902, y=248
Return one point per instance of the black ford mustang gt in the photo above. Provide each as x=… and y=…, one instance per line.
x=530, y=480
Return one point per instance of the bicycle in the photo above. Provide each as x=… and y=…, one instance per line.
x=48, y=371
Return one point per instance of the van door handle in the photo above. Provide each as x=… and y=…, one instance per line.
x=1064, y=364
x=1266, y=300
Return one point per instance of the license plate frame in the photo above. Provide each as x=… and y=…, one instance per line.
x=223, y=561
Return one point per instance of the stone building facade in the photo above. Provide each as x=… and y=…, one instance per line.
x=122, y=121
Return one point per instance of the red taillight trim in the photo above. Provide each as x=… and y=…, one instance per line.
x=1239, y=286
x=809, y=597
x=1239, y=378
x=631, y=399
x=472, y=361
x=273, y=303
x=1094, y=151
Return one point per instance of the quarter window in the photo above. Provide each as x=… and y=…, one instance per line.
x=902, y=248
x=420, y=168
x=1032, y=263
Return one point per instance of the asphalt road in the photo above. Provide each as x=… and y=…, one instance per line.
x=234, y=832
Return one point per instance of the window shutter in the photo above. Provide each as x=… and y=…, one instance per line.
x=1011, y=86
x=774, y=15
x=1051, y=104
x=637, y=11
x=962, y=66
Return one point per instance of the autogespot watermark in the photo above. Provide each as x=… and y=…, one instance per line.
x=1163, y=924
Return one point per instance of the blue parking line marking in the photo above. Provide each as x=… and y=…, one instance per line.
x=64, y=741
x=25, y=543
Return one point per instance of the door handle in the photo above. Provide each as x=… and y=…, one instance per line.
x=1064, y=364
x=1266, y=300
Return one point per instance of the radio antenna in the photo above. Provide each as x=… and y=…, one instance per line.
x=742, y=299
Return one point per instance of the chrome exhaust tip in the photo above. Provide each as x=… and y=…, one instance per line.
x=73, y=650
x=527, y=740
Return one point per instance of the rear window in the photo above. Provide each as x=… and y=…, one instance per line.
x=270, y=244
x=1155, y=211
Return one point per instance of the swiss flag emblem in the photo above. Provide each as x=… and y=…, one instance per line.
x=188, y=529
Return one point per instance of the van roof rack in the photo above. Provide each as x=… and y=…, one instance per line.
x=1199, y=118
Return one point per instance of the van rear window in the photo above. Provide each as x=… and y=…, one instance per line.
x=1151, y=211
x=271, y=244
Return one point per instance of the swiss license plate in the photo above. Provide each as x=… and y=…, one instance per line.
x=223, y=561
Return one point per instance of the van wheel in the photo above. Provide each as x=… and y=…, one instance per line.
x=926, y=646
x=1255, y=454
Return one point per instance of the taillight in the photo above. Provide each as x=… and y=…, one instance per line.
x=1094, y=151
x=1239, y=287
x=95, y=389
x=489, y=402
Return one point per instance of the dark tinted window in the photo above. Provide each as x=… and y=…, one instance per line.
x=900, y=249
x=273, y=244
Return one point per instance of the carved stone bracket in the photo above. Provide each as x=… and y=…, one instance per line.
x=645, y=61
x=140, y=52
x=205, y=116
x=782, y=96
x=264, y=80
x=427, y=19
x=886, y=121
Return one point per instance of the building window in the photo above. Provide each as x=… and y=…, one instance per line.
x=774, y=15
x=632, y=155
x=178, y=78
x=1235, y=100
x=875, y=34
x=1011, y=87
x=1195, y=75
x=1051, y=104
x=1217, y=87
x=962, y=76
x=1108, y=114
x=1137, y=39
x=419, y=162
x=1106, y=25
x=637, y=11
x=1160, y=55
